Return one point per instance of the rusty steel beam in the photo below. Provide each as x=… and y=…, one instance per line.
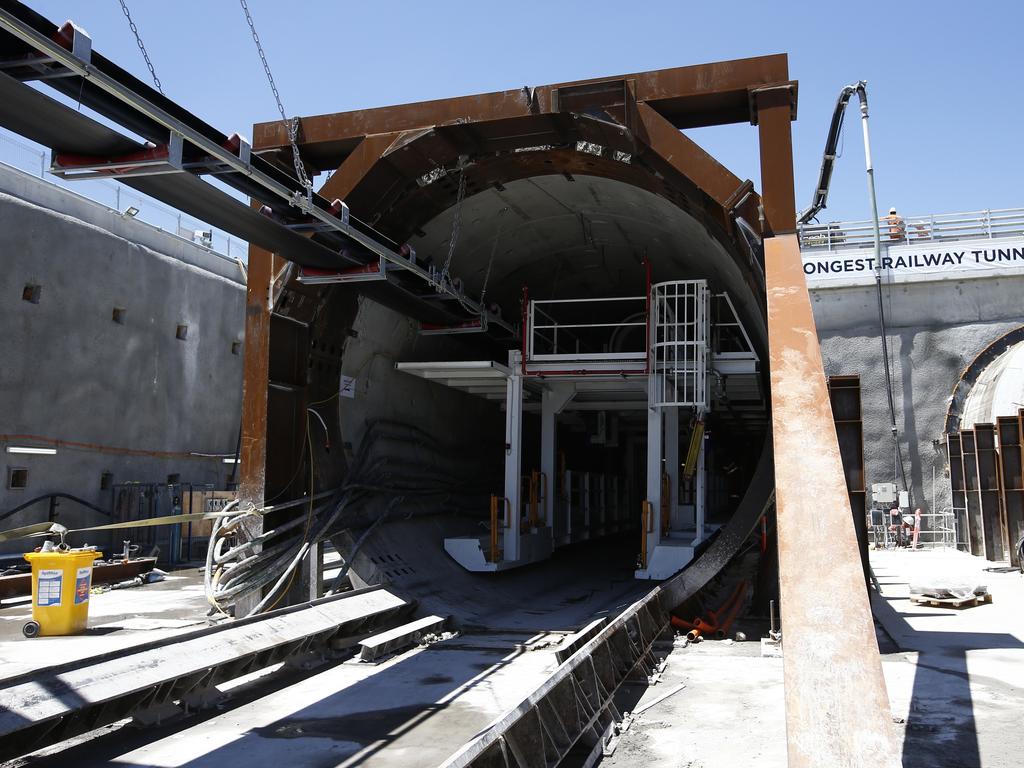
x=774, y=113
x=252, y=455
x=837, y=709
x=355, y=167
x=684, y=155
x=705, y=94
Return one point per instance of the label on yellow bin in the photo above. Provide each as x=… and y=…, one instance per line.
x=48, y=589
x=82, y=578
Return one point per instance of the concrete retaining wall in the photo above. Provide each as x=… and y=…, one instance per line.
x=136, y=398
x=935, y=330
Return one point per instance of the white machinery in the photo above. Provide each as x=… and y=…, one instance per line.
x=655, y=354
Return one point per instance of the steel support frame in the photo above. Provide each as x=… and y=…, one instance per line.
x=652, y=512
x=700, y=493
x=836, y=704
x=255, y=375
x=837, y=707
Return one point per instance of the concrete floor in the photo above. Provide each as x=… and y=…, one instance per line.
x=414, y=709
x=955, y=680
x=118, y=619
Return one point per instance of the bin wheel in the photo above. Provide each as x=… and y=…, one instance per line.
x=31, y=629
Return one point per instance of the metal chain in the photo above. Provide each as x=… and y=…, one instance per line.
x=138, y=41
x=490, y=262
x=293, y=123
x=456, y=219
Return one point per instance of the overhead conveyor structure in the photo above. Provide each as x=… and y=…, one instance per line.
x=659, y=381
x=178, y=148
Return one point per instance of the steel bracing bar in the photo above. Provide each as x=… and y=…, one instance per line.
x=294, y=197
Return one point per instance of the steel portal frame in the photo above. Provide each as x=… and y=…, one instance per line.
x=836, y=701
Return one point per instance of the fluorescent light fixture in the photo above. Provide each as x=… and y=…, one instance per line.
x=31, y=449
x=230, y=461
x=130, y=212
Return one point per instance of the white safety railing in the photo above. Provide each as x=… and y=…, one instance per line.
x=19, y=155
x=598, y=330
x=938, y=529
x=901, y=230
x=680, y=325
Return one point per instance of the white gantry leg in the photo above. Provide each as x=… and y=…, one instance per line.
x=700, y=491
x=652, y=515
x=672, y=463
x=513, y=452
x=553, y=400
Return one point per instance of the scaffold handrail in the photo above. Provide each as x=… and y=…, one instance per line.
x=986, y=224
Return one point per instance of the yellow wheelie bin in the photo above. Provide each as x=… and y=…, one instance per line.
x=61, y=580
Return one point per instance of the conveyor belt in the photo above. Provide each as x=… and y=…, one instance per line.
x=36, y=116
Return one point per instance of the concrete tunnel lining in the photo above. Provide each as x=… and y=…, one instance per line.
x=597, y=229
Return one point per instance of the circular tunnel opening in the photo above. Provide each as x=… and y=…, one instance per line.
x=561, y=236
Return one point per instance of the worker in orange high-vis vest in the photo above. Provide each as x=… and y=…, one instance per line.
x=897, y=227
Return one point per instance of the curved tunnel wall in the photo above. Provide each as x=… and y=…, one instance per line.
x=567, y=222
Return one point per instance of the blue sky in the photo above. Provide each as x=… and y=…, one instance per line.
x=943, y=77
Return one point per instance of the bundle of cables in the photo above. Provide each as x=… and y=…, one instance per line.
x=388, y=468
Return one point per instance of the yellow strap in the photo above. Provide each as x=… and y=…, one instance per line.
x=25, y=531
x=45, y=529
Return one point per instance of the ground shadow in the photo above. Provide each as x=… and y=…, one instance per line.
x=941, y=726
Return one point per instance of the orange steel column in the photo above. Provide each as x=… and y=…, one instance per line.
x=255, y=375
x=837, y=709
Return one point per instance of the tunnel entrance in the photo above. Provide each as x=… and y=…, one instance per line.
x=622, y=372
x=587, y=210
x=637, y=318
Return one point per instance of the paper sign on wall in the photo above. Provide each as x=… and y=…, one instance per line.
x=348, y=387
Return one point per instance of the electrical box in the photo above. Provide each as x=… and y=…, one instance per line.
x=904, y=499
x=883, y=493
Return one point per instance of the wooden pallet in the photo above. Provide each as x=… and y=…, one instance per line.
x=951, y=602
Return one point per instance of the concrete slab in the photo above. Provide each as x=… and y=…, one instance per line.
x=118, y=619
x=955, y=680
x=960, y=682
x=730, y=713
x=411, y=710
